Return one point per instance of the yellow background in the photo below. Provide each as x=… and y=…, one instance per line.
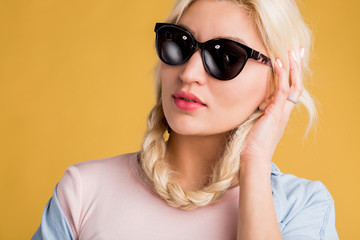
x=76, y=84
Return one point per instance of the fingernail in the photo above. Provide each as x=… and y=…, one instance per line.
x=293, y=55
x=302, y=52
x=279, y=62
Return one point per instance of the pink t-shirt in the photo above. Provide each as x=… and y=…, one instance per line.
x=108, y=199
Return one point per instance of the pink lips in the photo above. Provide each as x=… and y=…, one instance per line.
x=187, y=101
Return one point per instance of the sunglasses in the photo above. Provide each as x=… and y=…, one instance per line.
x=222, y=58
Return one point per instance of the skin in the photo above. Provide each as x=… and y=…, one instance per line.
x=198, y=137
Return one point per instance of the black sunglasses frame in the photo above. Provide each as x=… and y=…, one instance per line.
x=250, y=53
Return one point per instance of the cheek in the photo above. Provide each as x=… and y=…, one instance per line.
x=168, y=76
x=243, y=94
x=165, y=78
x=169, y=84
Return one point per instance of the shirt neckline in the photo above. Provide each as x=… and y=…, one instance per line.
x=139, y=175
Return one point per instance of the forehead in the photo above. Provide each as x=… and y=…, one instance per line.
x=207, y=19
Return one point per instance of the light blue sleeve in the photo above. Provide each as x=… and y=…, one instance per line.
x=54, y=224
x=306, y=209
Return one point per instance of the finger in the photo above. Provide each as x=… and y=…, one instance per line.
x=282, y=92
x=296, y=86
x=302, y=54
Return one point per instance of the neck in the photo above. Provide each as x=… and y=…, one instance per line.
x=193, y=157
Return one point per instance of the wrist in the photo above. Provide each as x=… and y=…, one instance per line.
x=255, y=167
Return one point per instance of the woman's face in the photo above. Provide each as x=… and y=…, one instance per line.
x=227, y=103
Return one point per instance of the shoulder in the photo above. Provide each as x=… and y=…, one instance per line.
x=297, y=191
x=90, y=177
x=292, y=187
x=89, y=182
x=301, y=204
x=110, y=164
x=93, y=171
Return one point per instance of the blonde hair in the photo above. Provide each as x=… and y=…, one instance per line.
x=281, y=28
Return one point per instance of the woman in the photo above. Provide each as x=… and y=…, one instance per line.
x=229, y=76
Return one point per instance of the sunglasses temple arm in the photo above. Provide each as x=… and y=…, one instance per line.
x=260, y=58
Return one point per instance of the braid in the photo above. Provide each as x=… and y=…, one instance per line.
x=161, y=177
x=152, y=153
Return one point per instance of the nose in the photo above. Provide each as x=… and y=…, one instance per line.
x=193, y=70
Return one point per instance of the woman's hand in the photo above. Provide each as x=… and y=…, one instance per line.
x=257, y=215
x=267, y=132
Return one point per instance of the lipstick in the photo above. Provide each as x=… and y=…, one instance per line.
x=187, y=101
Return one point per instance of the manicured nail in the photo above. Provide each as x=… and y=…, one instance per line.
x=279, y=62
x=293, y=55
x=302, y=52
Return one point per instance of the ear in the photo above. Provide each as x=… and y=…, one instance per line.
x=268, y=100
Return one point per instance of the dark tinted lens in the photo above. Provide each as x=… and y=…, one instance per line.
x=224, y=59
x=173, y=45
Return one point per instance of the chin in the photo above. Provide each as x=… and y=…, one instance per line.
x=192, y=130
x=185, y=130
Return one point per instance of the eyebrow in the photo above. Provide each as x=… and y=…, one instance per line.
x=237, y=39
x=234, y=38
